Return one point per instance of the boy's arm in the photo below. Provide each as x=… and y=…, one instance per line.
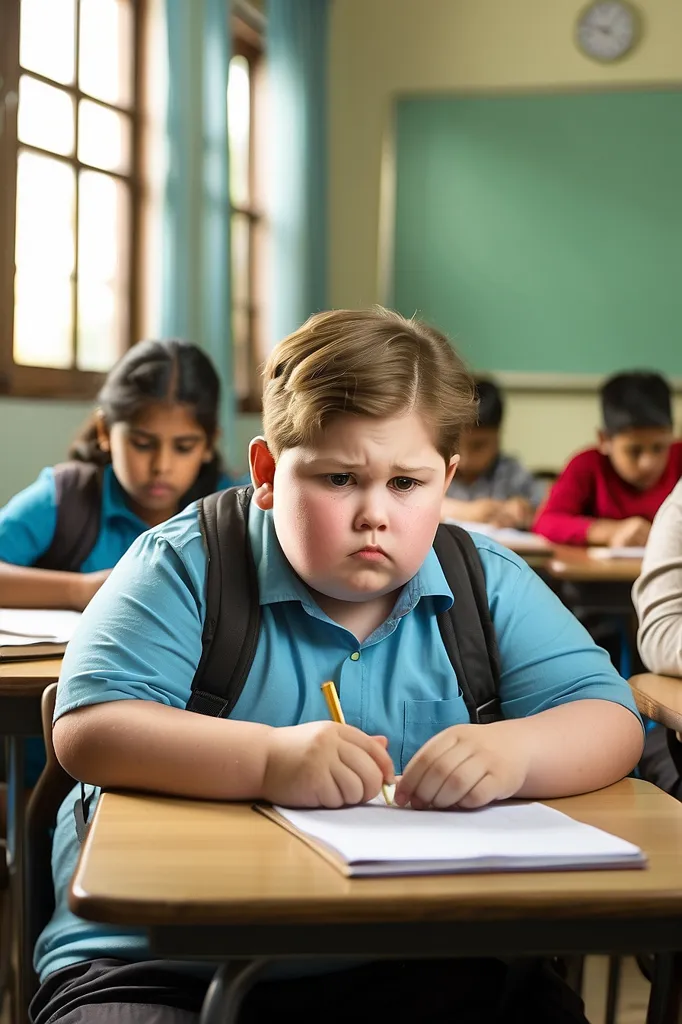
x=138, y=744
x=480, y=510
x=562, y=518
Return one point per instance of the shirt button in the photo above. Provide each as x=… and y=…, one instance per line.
x=355, y=656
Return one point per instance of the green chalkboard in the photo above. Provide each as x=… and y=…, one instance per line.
x=544, y=233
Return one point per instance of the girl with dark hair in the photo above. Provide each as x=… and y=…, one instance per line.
x=147, y=452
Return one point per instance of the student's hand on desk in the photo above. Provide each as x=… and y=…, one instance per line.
x=484, y=510
x=515, y=512
x=463, y=766
x=325, y=764
x=85, y=586
x=632, y=532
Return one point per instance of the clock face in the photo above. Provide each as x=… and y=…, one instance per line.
x=607, y=30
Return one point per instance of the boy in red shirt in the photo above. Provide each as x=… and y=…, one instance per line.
x=609, y=495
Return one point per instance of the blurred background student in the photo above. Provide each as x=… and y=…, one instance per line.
x=489, y=486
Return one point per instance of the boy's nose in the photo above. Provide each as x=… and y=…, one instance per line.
x=371, y=516
x=162, y=461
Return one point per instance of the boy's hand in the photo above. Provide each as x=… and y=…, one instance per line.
x=516, y=512
x=484, y=510
x=324, y=764
x=464, y=766
x=632, y=532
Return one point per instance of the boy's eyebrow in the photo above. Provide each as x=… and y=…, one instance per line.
x=353, y=467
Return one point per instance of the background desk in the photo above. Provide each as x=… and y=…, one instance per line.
x=659, y=698
x=21, y=688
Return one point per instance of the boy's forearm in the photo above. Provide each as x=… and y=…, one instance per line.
x=137, y=744
x=575, y=748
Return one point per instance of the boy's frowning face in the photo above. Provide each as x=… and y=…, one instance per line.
x=357, y=512
x=639, y=456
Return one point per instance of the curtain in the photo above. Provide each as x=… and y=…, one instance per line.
x=297, y=168
x=196, y=219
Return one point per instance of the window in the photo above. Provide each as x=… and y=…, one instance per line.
x=68, y=191
x=247, y=227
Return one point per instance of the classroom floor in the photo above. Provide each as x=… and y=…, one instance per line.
x=634, y=993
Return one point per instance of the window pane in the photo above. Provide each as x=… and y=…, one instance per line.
x=239, y=247
x=106, y=50
x=45, y=116
x=43, y=313
x=103, y=137
x=239, y=129
x=47, y=38
x=103, y=273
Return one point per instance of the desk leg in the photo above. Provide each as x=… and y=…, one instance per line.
x=16, y=826
x=225, y=995
x=665, y=1001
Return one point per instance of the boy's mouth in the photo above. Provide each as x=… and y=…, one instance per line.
x=372, y=552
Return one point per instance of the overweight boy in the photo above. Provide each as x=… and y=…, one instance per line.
x=348, y=478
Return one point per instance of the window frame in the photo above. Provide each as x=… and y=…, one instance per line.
x=17, y=380
x=248, y=42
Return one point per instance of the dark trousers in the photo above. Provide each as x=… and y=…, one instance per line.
x=473, y=991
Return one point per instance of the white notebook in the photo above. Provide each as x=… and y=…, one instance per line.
x=35, y=632
x=518, y=540
x=374, y=839
x=608, y=553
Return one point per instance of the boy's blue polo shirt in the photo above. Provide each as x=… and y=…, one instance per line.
x=140, y=638
x=29, y=520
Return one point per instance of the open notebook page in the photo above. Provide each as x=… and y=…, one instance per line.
x=375, y=839
x=22, y=626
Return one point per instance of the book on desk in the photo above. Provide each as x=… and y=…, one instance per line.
x=374, y=839
x=35, y=632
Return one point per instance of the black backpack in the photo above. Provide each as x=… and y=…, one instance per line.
x=232, y=621
x=79, y=510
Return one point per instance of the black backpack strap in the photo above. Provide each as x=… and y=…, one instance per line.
x=79, y=511
x=466, y=628
x=232, y=621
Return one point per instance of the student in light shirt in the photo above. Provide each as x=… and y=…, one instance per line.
x=489, y=486
x=348, y=480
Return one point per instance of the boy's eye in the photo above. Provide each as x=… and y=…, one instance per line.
x=185, y=449
x=404, y=483
x=338, y=479
x=141, y=446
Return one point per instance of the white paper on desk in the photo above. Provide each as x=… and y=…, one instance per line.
x=375, y=839
x=616, y=552
x=20, y=627
x=517, y=539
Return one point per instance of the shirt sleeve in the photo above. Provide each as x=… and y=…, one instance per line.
x=562, y=518
x=657, y=594
x=547, y=657
x=140, y=636
x=28, y=521
x=522, y=484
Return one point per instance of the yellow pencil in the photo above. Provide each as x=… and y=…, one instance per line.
x=336, y=712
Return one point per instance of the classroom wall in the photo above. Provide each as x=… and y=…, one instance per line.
x=381, y=48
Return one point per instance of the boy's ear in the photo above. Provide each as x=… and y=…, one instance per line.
x=102, y=431
x=262, y=467
x=450, y=471
x=603, y=442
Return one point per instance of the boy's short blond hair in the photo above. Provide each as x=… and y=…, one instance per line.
x=369, y=363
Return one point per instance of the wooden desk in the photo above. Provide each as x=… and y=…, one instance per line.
x=576, y=565
x=659, y=698
x=211, y=881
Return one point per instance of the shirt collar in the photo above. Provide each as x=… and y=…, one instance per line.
x=277, y=582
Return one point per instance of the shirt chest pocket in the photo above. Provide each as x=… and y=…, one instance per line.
x=425, y=718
